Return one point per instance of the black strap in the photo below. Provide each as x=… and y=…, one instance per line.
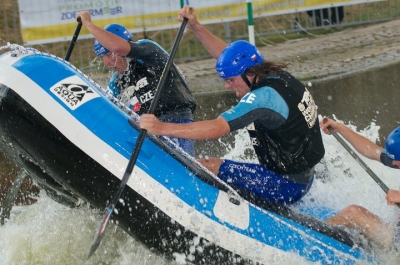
x=386, y=160
x=246, y=80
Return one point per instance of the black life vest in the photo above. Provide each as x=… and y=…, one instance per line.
x=295, y=146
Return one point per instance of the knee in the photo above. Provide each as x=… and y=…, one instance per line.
x=212, y=164
x=353, y=209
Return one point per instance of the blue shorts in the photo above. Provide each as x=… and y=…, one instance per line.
x=262, y=182
x=186, y=144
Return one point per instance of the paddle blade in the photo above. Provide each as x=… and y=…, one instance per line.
x=99, y=237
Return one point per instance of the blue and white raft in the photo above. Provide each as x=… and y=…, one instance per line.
x=68, y=134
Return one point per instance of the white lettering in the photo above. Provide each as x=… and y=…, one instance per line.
x=249, y=99
x=242, y=167
x=146, y=97
x=308, y=109
x=129, y=91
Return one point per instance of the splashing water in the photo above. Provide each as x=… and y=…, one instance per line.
x=17, y=48
x=50, y=233
x=341, y=181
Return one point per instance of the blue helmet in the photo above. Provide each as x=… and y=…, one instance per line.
x=236, y=58
x=393, y=144
x=116, y=29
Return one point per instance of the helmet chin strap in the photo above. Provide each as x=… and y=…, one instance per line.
x=247, y=81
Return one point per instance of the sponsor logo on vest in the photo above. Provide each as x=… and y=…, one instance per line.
x=146, y=97
x=130, y=90
x=127, y=95
x=254, y=141
x=308, y=109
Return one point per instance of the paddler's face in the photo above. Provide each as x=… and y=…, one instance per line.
x=115, y=62
x=237, y=85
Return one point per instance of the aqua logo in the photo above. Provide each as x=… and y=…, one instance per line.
x=73, y=94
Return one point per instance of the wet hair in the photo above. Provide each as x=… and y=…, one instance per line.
x=266, y=68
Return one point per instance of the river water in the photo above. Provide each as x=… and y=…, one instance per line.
x=50, y=233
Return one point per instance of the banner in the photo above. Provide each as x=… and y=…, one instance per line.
x=44, y=21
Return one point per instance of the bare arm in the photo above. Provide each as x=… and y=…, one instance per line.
x=202, y=130
x=111, y=41
x=362, y=144
x=212, y=43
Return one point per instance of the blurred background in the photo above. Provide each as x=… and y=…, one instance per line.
x=49, y=25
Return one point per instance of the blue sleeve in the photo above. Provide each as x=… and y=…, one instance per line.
x=263, y=103
x=112, y=85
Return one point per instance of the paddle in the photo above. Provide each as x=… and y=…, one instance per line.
x=358, y=159
x=74, y=38
x=139, y=143
x=12, y=195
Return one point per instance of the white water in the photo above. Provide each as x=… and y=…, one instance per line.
x=49, y=233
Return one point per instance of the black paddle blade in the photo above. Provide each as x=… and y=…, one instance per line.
x=99, y=237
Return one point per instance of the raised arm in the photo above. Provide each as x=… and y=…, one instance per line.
x=110, y=41
x=212, y=43
x=362, y=144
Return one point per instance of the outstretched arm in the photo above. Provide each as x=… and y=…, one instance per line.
x=202, y=130
x=212, y=43
x=362, y=144
x=110, y=41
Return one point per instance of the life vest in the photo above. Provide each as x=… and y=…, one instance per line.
x=295, y=146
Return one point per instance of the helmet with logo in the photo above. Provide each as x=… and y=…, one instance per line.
x=236, y=58
x=116, y=29
x=393, y=144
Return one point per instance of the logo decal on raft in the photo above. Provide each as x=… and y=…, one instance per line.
x=73, y=92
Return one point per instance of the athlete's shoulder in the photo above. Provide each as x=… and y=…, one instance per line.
x=152, y=43
x=264, y=92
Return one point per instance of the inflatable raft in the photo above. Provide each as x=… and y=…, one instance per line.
x=75, y=140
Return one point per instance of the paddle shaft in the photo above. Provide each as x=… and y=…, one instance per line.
x=73, y=41
x=12, y=195
x=139, y=141
x=358, y=159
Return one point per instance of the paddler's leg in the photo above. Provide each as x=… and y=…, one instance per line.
x=369, y=224
x=212, y=164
